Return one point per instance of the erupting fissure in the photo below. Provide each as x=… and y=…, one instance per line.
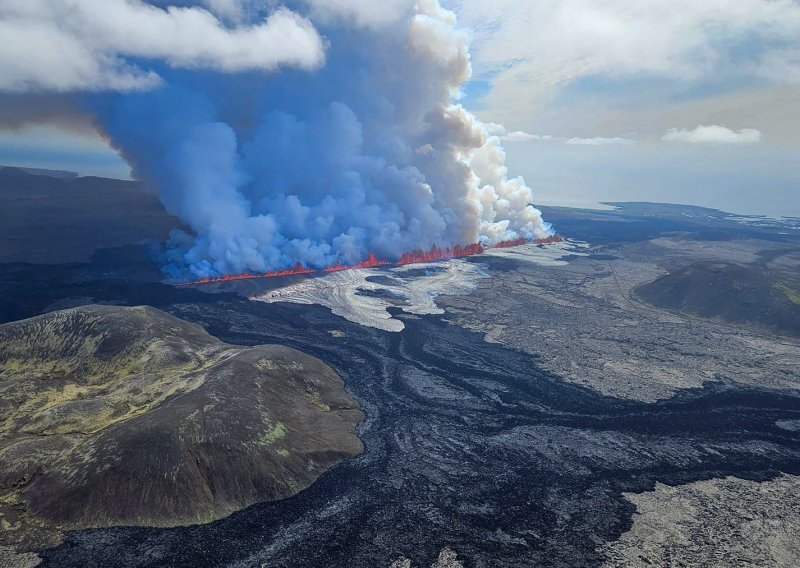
x=508, y=244
x=372, y=261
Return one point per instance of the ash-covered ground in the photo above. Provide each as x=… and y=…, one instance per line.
x=513, y=428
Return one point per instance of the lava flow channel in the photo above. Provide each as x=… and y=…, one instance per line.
x=372, y=261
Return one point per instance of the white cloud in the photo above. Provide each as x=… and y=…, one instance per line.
x=499, y=130
x=713, y=135
x=495, y=129
x=64, y=46
x=600, y=141
x=531, y=49
x=519, y=136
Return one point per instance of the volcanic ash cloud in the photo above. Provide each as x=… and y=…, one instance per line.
x=364, y=151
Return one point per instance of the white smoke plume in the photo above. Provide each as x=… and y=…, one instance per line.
x=315, y=162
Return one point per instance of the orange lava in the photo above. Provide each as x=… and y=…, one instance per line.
x=439, y=254
x=372, y=261
x=549, y=240
x=338, y=267
x=298, y=269
x=508, y=244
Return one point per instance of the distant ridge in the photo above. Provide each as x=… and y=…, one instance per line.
x=728, y=291
x=46, y=219
x=62, y=174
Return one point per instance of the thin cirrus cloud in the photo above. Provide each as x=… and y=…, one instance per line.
x=520, y=136
x=712, y=134
x=499, y=130
x=92, y=44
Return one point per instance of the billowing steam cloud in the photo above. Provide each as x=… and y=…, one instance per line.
x=360, y=149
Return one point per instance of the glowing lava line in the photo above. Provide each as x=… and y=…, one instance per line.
x=372, y=261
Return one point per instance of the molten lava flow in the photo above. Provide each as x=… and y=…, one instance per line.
x=439, y=254
x=338, y=267
x=508, y=244
x=372, y=261
x=298, y=269
x=549, y=240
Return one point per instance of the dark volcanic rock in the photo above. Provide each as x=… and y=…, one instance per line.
x=469, y=446
x=51, y=220
x=130, y=416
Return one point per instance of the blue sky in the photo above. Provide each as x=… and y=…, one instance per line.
x=51, y=147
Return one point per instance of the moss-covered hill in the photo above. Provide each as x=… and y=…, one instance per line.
x=129, y=416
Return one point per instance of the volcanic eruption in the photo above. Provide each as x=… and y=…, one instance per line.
x=416, y=257
x=299, y=135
